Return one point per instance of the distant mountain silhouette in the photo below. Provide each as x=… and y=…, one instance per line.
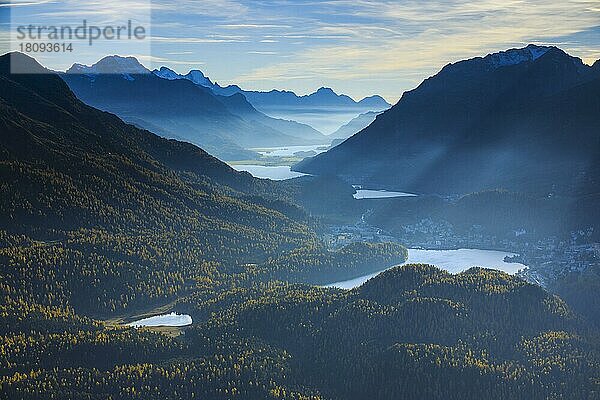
x=198, y=78
x=224, y=126
x=324, y=97
x=313, y=109
x=524, y=119
x=356, y=125
x=112, y=65
x=324, y=109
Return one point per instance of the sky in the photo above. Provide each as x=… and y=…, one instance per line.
x=357, y=47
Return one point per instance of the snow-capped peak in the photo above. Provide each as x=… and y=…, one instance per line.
x=195, y=76
x=167, y=73
x=516, y=56
x=199, y=78
x=111, y=65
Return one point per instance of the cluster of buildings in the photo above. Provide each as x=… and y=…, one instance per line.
x=343, y=235
x=546, y=258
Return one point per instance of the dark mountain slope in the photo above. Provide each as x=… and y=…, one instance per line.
x=525, y=120
x=41, y=98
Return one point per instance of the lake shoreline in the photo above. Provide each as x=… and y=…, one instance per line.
x=357, y=281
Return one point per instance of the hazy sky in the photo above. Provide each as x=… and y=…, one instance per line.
x=358, y=47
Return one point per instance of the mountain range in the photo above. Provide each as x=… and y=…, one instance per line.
x=46, y=126
x=524, y=120
x=323, y=97
x=226, y=126
x=318, y=109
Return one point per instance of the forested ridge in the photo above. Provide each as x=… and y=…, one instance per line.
x=413, y=332
x=100, y=220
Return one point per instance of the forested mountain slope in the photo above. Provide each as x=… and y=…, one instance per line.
x=414, y=332
x=114, y=217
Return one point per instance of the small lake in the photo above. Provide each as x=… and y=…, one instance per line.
x=453, y=261
x=379, y=194
x=279, y=173
x=171, y=320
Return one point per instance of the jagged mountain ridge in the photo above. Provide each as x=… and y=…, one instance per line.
x=323, y=97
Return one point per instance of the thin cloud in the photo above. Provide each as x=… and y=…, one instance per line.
x=24, y=3
x=360, y=46
x=417, y=39
x=254, y=26
x=194, y=40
